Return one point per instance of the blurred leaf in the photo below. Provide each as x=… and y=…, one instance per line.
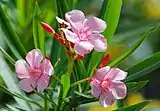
x=20, y=96
x=134, y=47
x=81, y=4
x=60, y=98
x=7, y=56
x=38, y=33
x=11, y=82
x=24, y=8
x=111, y=15
x=135, y=86
x=144, y=67
x=11, y=37
x=11, y=108
x=65, y=81
x=135, y=107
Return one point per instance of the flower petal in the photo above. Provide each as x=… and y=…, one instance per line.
x=119, y=90
x=95, y=24
x=99, y=42
x=72, y=37
x=27, y=85
x=101, y=73
x=76, y=19
x=62, y=21
x=22, y=69
x=106, y=99
x=83, y=47
x=34, y=58
x=96, y=90
x=75, y=16
x=46, y=67
x=42, y=83
x=116, y=74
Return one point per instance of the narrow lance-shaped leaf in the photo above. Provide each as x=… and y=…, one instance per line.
x=11, y=37
x=135, y=86
x=111, y=15
x=65, y=81
x=144, y=67
x=38, y=32
x=135, y=107
x=133, y=48
x=11, y=82
x=7, y=56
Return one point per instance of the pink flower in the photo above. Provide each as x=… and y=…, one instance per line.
x=107, y=85
x=35, y=73
x=85, y=33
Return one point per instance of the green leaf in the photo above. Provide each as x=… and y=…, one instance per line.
x=7, y=56
x=135, y=86
x=144, y=67
x=111, y=15
x=11, y=82
x=20, y=96
x=11, y=37
x=135, y=107
x=133, y=48
x=65, y=81
x=38, y=32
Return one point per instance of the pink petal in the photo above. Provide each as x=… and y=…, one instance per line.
x=102, y=72
x=27, y=85
x=42, y=83
x=119, y=90
x=72, y=37
x=96, y=90
x=62, y=21
x=83, y=47
x=99, y=42
x=34, y=58
x=106, y=99
x=22, y=69
x=76, y=19
x=116, y=74
x=75, y=16
x=46, y=67
x=95, y=24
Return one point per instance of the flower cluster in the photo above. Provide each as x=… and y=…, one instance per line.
x=80, y=36
x=82, y=33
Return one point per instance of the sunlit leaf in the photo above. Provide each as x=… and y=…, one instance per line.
x=65, y=81
x=135, y=107
x=111, y=15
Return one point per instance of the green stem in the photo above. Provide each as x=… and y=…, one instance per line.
x=120, y=103
x=46, y=104
x=70, y=65
x=79, y=82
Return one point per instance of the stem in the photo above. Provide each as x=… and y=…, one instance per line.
x=78, y=82
x=70, y=65
x=45, y=97
x=120, y=103
x=46, y=103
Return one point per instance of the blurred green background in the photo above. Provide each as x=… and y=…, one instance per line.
x=136, y=17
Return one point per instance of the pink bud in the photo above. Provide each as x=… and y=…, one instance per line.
x=47, y=28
